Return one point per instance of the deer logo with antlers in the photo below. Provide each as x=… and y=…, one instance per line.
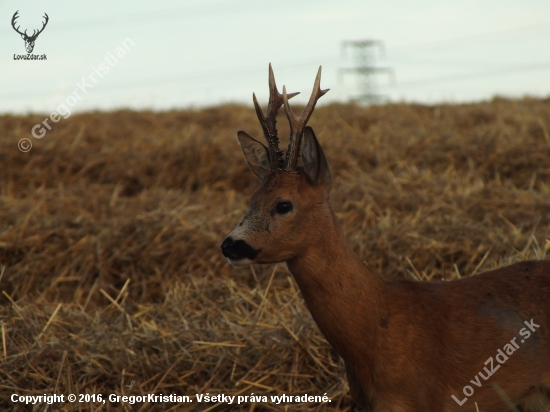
x=29, y=40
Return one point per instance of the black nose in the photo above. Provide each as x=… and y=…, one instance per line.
x=237, y=250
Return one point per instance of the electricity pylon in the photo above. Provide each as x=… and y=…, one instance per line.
x=364, y=56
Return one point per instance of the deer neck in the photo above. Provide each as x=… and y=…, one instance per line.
x=343, y=296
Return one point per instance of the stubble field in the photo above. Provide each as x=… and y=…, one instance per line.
x=112, y=280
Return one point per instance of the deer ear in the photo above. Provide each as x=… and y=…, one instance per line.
x=315, y=162
x=255, y=153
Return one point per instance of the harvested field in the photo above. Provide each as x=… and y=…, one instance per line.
x=112, y=278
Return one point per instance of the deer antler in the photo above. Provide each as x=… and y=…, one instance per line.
x=43, y=26
x=298, y=124
x=269, y=122
x=15, y=16
x=34, y=33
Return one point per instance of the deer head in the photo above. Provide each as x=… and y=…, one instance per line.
x=292, y=197
x=29, y=40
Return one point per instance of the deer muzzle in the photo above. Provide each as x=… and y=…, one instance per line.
x=238, y=252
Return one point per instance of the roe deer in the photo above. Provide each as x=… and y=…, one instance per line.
x=407, y=346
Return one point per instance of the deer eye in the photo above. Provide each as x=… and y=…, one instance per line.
x=283, y=208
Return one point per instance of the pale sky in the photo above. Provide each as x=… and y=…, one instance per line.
x=201, y=53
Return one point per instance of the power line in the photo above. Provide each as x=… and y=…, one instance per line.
x=207, y=77
x=198, y=9
x=504, y=70
x=204, y=78
x=468, y=39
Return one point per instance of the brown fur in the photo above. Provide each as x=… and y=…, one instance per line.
x=407, y=346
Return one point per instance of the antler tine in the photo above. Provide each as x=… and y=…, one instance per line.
x=298, y=124
x=15, y=16
x=35, y=33
x=269, y=122
x=44, y=24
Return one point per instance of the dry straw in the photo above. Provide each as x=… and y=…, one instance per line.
x=112, y=278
